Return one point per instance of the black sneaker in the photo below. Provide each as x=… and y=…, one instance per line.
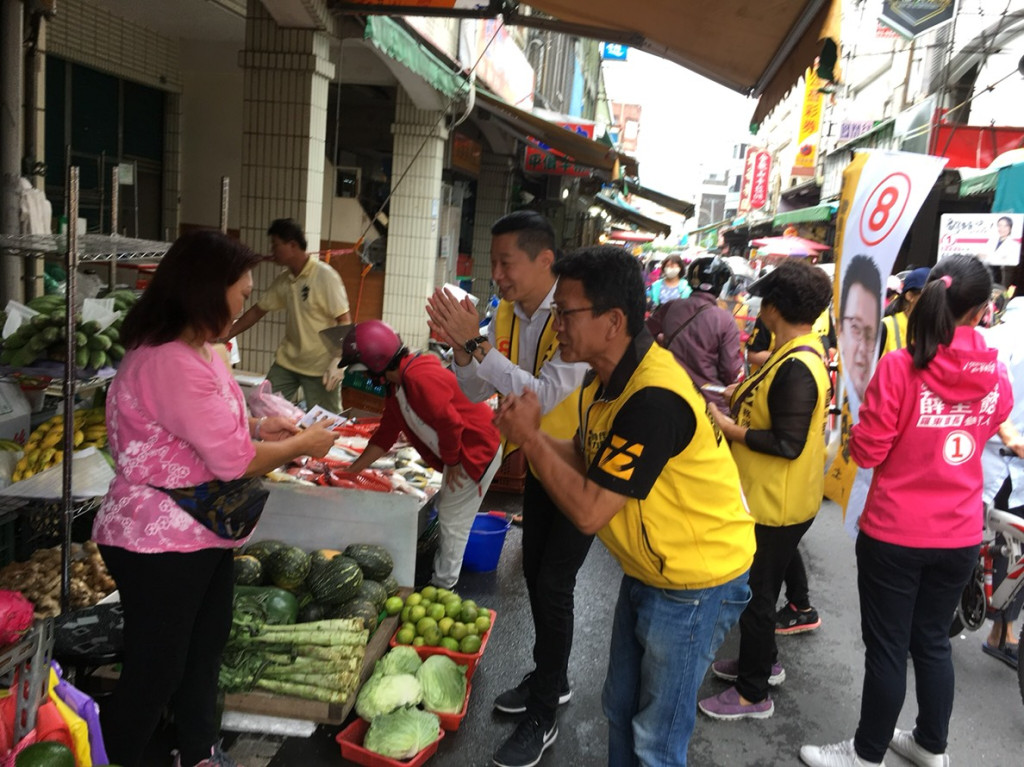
x=527, y=744
x=514, y=701
x=790, y=620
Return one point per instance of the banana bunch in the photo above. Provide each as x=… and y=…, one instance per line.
x=10, y=446
x=44, y=447
x=45, y=336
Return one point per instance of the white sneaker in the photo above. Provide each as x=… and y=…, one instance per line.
x=903, y=743
x=834, y=755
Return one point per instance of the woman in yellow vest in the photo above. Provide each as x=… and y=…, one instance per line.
x=777, y=433
x=894, y=327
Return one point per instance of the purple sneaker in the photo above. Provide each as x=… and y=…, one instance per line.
x=730, y=669
x=726, y=705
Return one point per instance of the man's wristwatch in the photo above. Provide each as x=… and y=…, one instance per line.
x=473, y=344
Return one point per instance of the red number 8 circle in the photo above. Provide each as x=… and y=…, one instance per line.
x=884, y=208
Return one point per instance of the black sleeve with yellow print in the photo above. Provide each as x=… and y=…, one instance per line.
x=652, y=427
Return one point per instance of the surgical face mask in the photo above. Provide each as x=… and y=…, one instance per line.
x=672, y=272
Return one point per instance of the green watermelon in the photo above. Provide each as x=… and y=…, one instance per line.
x=45, y=754
x=390, y=585
x=248, y=570
x=263, y=549
x=321, y=557
x=371, y=591
x=337, y=581
x=375, y=561
x=357, y=608
x=288, y=567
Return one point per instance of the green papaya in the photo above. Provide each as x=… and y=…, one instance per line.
x=99, y=342
x=97, y=359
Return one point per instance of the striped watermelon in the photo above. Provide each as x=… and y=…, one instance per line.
x=337, y=581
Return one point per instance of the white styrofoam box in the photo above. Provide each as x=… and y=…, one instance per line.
x=14, y=413
x=333, y=517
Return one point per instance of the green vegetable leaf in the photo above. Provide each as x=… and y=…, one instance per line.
x=443, y=683
x=401, y=734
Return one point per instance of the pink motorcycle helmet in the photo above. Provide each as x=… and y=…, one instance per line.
x=371, y=343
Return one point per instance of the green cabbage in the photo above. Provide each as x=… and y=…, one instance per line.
x=401, y=734
x=383, y=694
x=443, y=683
x=402, y=659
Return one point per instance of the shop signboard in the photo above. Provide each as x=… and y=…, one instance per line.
x=501, y=65
x=993, y=237
x=912, y=18
x=756, y=175
x=614, y=51
x=810, y=126
x=540, y=158
x=466, y=154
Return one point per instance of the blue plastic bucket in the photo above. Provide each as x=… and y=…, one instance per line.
x=487, y=536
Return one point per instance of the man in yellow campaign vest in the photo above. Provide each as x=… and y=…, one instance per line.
x=520, y=353
x=650, y=473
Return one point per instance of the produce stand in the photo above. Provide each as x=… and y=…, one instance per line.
x=310, y=710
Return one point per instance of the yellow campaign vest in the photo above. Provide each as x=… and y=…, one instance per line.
x=562, y=420
x=693, y=530
x=781, y=491
x=895, y=332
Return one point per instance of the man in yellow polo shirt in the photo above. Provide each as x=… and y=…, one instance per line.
x=313, y=297
x=651, y=474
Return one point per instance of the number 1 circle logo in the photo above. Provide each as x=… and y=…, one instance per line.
x=958, y=447
x=884, y=207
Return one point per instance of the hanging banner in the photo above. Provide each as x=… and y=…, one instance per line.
x=881, y=195
x=993, y=237
x=810, y=125
x=757, y=170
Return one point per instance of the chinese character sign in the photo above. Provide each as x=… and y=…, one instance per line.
x=756, y=175
x=810, y=122
x=881, y=195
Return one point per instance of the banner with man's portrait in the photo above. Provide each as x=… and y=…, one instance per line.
x=881, y=195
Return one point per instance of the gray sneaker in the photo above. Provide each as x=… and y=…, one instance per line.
x=514, y=701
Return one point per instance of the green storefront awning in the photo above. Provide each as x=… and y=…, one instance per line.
x=976, y=185
x=394, y=41
x=823, y=212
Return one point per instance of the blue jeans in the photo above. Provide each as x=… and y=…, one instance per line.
x=662, y=644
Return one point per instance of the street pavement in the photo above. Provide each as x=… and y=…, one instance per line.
x=818, y=703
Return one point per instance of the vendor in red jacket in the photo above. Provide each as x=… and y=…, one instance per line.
x=451, y=433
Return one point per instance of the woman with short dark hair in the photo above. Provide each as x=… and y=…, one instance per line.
x=176, y=419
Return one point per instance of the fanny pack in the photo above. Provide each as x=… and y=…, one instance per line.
x=229, y=508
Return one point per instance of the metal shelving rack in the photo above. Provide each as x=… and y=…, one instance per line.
x=77, y=249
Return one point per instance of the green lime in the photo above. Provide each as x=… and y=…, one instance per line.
x=413, y=599
x=443, y=594
x=429, y=592
x=452, y=608
x=470, y=645
x=469, y=612
x=445, y=624
x=393, y=605
x=418, y=642
x=457, y=631
x=431, y=636
x=416, y=613
x=436, y=611
x=405, y=614
x=450, y=644
x=405, y=636
x=483, y=622
x=423, y=624
x=471, y=629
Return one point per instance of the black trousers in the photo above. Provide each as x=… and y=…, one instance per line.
x=177, y=616
x=907, y=598
x=775, y=548
x=797, y=590
x=553, y=552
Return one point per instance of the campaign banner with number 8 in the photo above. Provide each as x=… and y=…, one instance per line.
x=881, y=195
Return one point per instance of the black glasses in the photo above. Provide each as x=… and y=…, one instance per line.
x=559, y=315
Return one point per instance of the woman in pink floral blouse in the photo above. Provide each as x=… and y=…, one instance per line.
x=176, y=418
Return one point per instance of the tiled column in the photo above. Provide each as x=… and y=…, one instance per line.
x=287, y=73
x=414, y=219
x=493, y=189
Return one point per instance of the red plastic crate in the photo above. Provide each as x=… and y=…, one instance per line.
x=463, y=659
x=351, y=741
x=451, y=722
